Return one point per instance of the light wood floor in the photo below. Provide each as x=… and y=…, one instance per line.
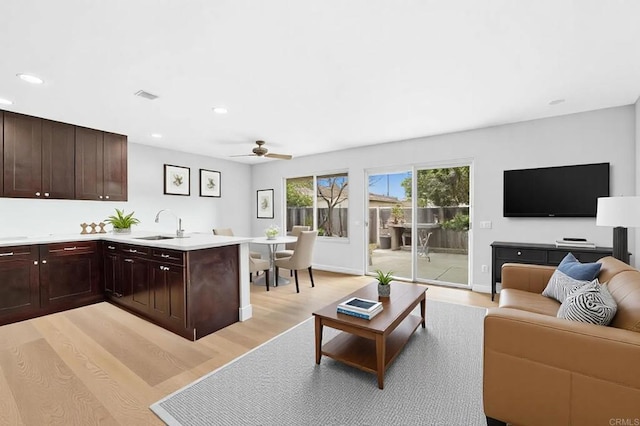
x=99, y=364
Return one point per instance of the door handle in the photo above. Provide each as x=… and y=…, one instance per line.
x=129, y=260
x=7, y=254
x=70, y=248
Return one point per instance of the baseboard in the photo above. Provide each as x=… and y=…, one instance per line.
x=245, y=312
x=480, y=288
x=338, y=270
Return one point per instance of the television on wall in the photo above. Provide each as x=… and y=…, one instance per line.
x=566, y=191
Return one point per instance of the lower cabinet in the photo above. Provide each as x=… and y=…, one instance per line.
x=191, y=293
x=19, y=283
x=69, y=275
x=167, y=293
x=41, y=279
x=149, y=282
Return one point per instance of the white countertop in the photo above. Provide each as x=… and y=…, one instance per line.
x=192, y=240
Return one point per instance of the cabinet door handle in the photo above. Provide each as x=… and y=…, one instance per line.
x=129, y=260
x=519, y=253
x=37, y=194
x=7, y=254
x=44, y=261
x=107, y=197
x=70, y=248
x=46, y=194
x=100, y=197
x=35, y=262
x=132, y=251
x=111, y=247
x=165, y=255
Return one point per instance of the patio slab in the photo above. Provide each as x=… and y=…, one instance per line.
x=446, y=267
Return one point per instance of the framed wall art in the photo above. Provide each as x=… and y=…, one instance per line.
x=209, y=183
x=177, y=180
x=265, y=204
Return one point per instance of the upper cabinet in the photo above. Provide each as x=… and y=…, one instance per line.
x=22, y=156
x=48, y=159
x=101, y=165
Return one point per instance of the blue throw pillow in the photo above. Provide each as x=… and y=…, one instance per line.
x=578, y=271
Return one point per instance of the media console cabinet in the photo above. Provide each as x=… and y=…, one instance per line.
x=537, y=254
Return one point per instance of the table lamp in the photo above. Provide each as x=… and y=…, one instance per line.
x=621, y=213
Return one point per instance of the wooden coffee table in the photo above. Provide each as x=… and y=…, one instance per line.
x=372, y=345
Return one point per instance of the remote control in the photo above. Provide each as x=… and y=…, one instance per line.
x=574, y=239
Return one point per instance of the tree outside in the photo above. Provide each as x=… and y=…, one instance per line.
x=441, y=187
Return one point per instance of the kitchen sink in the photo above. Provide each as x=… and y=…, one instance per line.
x=155, y=237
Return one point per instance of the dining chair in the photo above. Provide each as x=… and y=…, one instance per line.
x=228, y=232
x=257, y=265
x=301, y=258
x=290, y=247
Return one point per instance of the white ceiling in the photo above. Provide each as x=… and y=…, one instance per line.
x=314, y=76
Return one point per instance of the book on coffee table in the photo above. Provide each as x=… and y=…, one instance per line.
x=362, y=308
x=359, y=314
x=361, y=305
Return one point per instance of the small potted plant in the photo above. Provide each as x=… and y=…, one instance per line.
x=271, y=232
x=397, y=214
x=384, y=281
x=122, y=223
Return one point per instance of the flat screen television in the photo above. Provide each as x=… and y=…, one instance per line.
x=567, y=191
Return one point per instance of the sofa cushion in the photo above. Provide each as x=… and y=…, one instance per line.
x=579, y=271
x=560, y=285
x=528, y=301
x=591, y=303
x=625, y=289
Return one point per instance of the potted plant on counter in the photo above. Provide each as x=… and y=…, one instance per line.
x=122, y=223
x=384, y=282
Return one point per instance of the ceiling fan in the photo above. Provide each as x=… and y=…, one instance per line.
x=260, y=151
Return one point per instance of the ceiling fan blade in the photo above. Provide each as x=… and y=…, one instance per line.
x=243, y=155
x=279, y=156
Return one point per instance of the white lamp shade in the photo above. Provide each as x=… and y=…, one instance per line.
x=618, y=211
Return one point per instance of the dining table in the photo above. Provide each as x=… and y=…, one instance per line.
x=273, y=247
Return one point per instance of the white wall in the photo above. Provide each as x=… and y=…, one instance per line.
x=597, y=136
x=25, y=217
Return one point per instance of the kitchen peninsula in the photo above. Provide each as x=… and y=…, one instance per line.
x=191, y=286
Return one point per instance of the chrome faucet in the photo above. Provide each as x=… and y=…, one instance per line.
x=179, y=231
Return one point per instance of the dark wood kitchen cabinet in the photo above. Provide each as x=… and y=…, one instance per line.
x=191, y=293
x=126, y=276
x=168, y=288
x=100, y=165
x=111, y=267
x=19, y=283
x=70, y=275
x=22, y=156
x=38, y=158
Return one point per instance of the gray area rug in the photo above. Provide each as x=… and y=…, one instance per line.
x=436, y=380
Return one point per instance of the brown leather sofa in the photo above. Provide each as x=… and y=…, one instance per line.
x=543, y=370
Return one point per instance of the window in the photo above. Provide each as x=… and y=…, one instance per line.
x=320, y=202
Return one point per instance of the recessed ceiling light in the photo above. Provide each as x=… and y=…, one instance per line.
x=556, y=101
x=30, y=78
x=5, y=102
x=220, y=110
x=156, y=135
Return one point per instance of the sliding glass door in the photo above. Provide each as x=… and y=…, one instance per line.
x=423, y=238
x=441, y=228
x=389, y=200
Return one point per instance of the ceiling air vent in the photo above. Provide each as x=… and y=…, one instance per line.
x=146, y=95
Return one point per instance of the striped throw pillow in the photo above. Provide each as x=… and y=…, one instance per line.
x=591, y=303
x=560, y=285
